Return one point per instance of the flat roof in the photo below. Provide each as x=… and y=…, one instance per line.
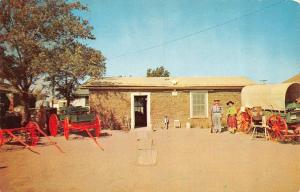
x=169, y=83
x=293, y=79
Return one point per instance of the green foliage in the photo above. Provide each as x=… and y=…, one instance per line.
x=43, y=38
x=75, y=62
x=158, y=72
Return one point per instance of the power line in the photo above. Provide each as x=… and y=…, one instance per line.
x=201, y=31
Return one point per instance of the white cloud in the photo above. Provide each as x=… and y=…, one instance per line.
x=298, y=1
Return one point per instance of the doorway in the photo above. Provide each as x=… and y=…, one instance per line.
x=140, y=110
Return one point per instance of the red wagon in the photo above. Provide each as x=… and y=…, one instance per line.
x=28, y=136
x=282, y=130
x=76, y=123
x=280, y=105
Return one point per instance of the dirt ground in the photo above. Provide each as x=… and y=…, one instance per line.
x=187, y=160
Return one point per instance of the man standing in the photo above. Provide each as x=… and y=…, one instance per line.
x=216, y=116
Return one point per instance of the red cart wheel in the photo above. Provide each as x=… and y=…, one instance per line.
x=4, y=138
x=1, y=138
x=97, y=126
x=243, y=122
x=296, y=130
x=66, y=128
x=33, y=133
x=278, y=127
x=53, y=124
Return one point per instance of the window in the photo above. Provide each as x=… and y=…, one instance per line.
x=87, y=101
x=198, y=104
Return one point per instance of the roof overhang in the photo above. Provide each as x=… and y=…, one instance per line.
x=81, y=92
x=164, y=88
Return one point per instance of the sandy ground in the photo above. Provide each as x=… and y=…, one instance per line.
x=187, y=160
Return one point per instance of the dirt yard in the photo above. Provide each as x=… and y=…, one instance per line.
x=187, y=160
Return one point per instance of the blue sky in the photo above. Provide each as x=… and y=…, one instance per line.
x=264, y=45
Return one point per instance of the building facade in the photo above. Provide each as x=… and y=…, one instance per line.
x=131, y=103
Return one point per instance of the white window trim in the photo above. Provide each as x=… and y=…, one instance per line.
x=191, y=104
x=148, y=109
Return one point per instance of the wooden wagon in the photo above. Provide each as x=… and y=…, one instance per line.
x=75, y=119
x=28, y=136
x=280, y=106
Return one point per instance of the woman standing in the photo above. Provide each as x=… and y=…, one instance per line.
x=231, y=117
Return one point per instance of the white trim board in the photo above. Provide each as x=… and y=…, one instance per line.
x=148, y=108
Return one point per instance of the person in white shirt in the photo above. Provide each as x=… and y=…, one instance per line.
x=216, y=116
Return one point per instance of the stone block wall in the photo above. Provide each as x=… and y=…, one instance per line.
x=175, y=107
x=115, y=105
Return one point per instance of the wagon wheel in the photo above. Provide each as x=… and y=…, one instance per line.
x=1, y=138
x=31, y=128
x=278, y=127
x=53, y=124
x=243, y=121
x=296, y=130
x=66, y=128
x=97, y=126
x=4, y=138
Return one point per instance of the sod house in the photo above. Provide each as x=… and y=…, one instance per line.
x=134, y=102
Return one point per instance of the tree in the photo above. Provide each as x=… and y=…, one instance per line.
x=158, y=72
x=32, y=32
x=77, y=62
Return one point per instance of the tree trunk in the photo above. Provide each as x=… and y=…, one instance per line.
x=68, y=101
x=68, y=98
x=53, y=91
x=26, y=103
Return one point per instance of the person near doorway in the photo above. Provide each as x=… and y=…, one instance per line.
x=231, y=117
x=216, y=116
x=166, y=122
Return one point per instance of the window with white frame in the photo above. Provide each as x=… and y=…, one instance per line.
x=198, y=104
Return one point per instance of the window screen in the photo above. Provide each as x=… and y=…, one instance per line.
x=198, y=104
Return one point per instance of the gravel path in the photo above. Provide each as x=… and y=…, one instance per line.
x=187, y=160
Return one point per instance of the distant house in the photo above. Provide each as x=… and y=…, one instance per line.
x=59, y=103
x=145, y=101
x=81, y=98
x=295, y=79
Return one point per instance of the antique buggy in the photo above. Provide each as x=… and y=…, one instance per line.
x=280, y=106
x=28, y=136
x=76, y=119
